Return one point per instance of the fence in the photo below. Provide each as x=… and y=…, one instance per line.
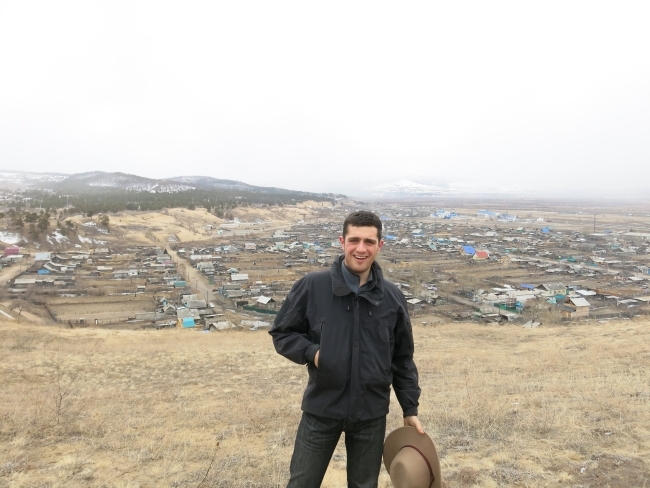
x=83, y=321
x=251, y=308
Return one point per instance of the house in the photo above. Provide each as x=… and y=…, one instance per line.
x=575, y=307
x=42, y=256
x=487, y=214
x=481, y=255
x=11, y=250
x=196, y=303
x=441, y=214
x=266, y=302
x=414, y=304
x=553, y=288
x=203, y=266
x=468, y=250
x=24, y=282
x=250, y=246
x=238, y=293
x=57, y=268
x=186, y=322
x=507, y=218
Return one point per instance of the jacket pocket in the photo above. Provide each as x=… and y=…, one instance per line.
x=334, y=356
x=376, y=355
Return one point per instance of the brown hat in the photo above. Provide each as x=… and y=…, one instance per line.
x=411, y=459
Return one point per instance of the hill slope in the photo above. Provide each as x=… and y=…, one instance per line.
x=506, y=406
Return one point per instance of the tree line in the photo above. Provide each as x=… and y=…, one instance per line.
x=38, y=222
x=219, y=202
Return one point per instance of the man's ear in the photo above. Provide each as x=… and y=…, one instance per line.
x=381, y=244
x=341, y=240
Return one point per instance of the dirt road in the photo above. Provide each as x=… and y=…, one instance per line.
x=10, y=272
x=200, y=285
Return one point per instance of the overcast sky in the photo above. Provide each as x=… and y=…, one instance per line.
x=332, y=96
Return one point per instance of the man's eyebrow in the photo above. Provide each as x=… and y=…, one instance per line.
x=367, y=239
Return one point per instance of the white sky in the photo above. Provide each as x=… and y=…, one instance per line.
x=332, y=96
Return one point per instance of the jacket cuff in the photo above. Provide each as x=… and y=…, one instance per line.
x=411, y=412
x=310, y=353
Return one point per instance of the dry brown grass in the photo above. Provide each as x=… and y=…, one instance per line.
x=188, y=225
x=562, y=406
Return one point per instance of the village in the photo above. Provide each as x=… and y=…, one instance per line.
x=546, y=267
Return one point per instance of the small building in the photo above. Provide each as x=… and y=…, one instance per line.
x=575, y=308
x=481, y=255
x=239, y=277
x=468, y=251
x=266, y=302
x=11, y=250
x=414, y=304
x=553, y=288
x=187, y=322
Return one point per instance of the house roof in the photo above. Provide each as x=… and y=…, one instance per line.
x=264, y=300
x=553, y=286
x=586, y=293
x=579, y=302
x=469, y=250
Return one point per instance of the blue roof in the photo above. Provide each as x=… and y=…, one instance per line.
x=390, y=238
x=188, y=322
x=469, y=250
x=527, y=286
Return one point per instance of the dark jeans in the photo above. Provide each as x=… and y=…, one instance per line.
x=315, y=443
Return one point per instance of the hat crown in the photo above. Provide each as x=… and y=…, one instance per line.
x=409, y=470
x=411, y=459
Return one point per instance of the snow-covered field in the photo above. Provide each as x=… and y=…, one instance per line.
x=10, y=237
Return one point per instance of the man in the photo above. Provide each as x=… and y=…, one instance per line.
x=352, y=329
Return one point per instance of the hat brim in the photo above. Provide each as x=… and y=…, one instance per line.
x=405, y=436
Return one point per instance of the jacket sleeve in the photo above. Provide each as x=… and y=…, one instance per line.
x=405, y=374
x=290, y=328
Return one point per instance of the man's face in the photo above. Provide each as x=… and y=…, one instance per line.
x=360, y=247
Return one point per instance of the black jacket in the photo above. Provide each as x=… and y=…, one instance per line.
x=365, y=342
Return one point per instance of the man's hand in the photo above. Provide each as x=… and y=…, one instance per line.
x=412, y=421
x=316, y=358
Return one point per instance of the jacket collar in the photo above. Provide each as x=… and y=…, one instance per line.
x=373, y=290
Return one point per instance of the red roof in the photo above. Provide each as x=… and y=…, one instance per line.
x=481, y=255
x=12, y=250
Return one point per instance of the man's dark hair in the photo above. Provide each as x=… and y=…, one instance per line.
x=362, y=219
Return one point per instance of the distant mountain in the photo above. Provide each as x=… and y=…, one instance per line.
x=411, y=189
x=16, y=179
x=407, y=188
x=207, y=182
x=101, y=181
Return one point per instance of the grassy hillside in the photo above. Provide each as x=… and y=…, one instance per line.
x=565, y=406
